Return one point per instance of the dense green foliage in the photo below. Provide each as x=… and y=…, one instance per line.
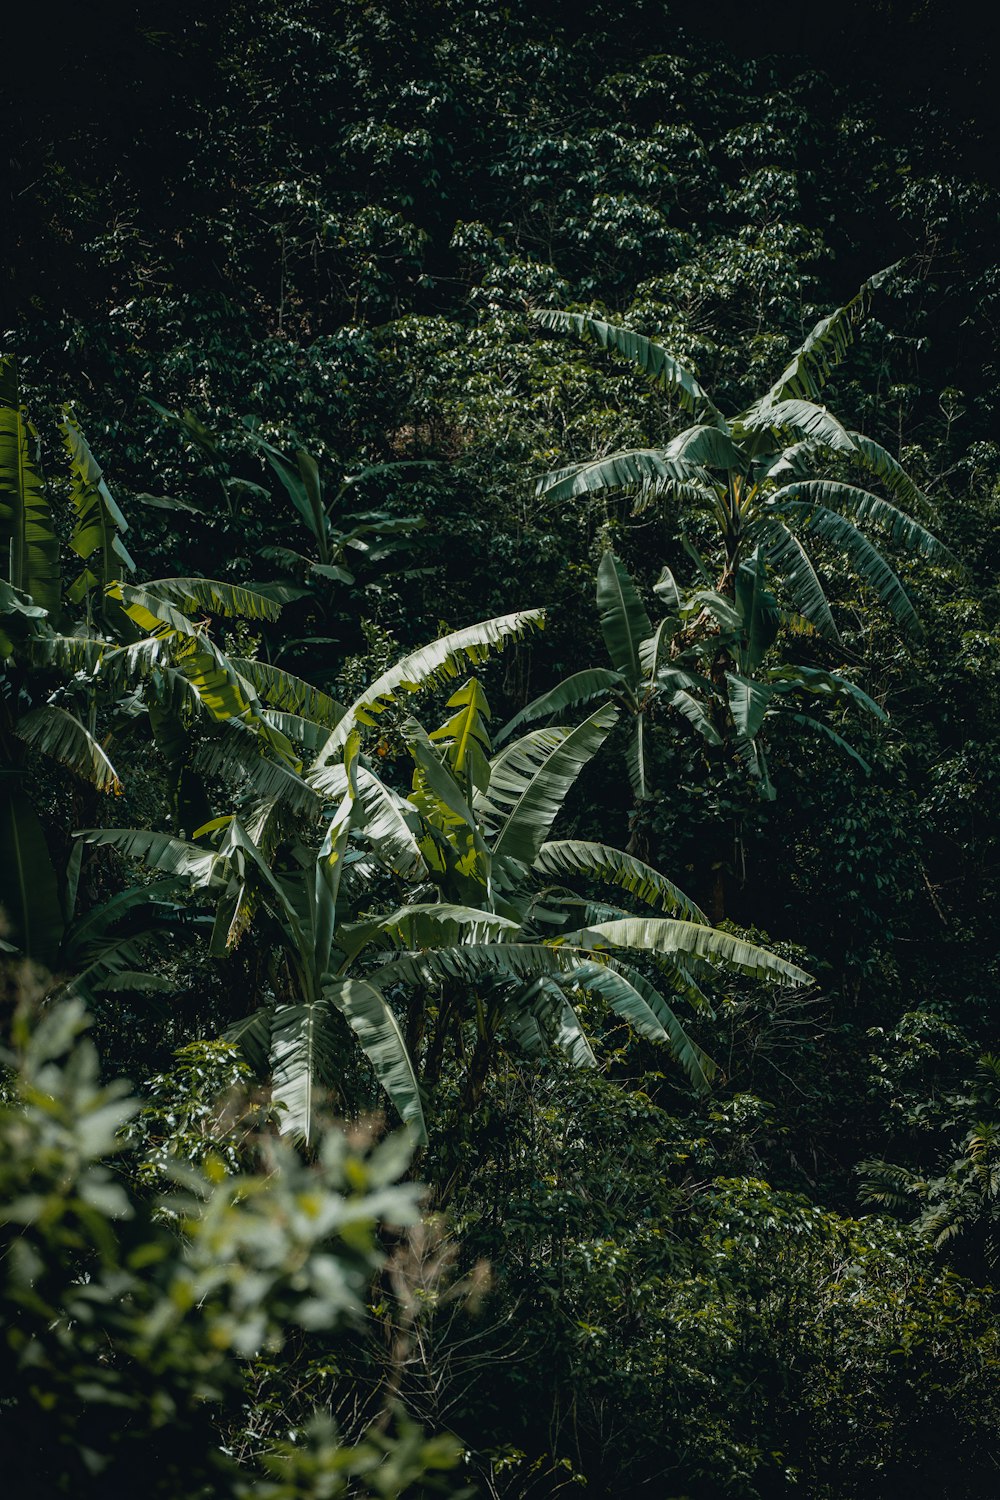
x=498, y=628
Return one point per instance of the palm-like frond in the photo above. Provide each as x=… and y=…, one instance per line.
x=291, y=694
x=428, y=925
x=542, y=793
x=371, y=1018
x=815, y=359
x=646, y=469
x=878, y=461
x=581, y=687
x=673, y=689
x=235, y=751
x=602, y=862
x=303, y=1055
x=748, y=701
x=431, y=663
x=651, y=359
x=861, y=505
x=58, y=733
x=633, y=998
x=215, y=598
x=789, y=560
x=865, y=559
x=803, y=419
x=673, y=936
x=158, y=851
x=390, y=825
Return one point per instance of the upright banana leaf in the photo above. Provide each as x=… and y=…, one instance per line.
x=624, y=621
x=29, y=547
x=97, y=533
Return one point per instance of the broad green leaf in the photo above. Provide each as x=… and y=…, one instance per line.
x=432, y=663
x=582, y=687
x=371, y=1019
x=208, y=594
x=203, y=867
x=815, y=359
x=29, y=547
x=748, y=702
x=788, y=558
x=97, y=533
x=651, y=359
x=673, y=936
x=644, y=1008
x=860, y=505
x=602, y=862
x=866, y=560
x=58, y=733
x=644, y=469
x=538, y=804
x=289, y=693
x=624, y=621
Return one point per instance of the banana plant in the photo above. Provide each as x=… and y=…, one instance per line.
x=336, y=531
x=769, y=478
x=714, y=661
x=487, y=938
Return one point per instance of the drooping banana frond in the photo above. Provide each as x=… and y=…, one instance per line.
x=473, y=963
x=651, y=359
x=158, y=851
x=97, y=532
x=790, y=678
x=29, y=547
x=542, y=794
x=802, y=419
x=813, y=362
x=860, y=505
x=623, y=618
x=427, y=925
x=371, y=1018
x=303, y=1056
x=748, y=702
x=439, y=660
x=221, y=690
x=56, y=732
x=789, y=560
x=305, y=733
x=602, y=862
x=282, y=690
x=866, y=560
x=582, y=687
x=673, y=689
x=390, y=825
x=704, y=448
x=644, y=469
x=235, y=752
x=215, y=598
x=873, y=457
x=819, y=726
x=73, y=653
x=633, y=998
x=673, y=936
